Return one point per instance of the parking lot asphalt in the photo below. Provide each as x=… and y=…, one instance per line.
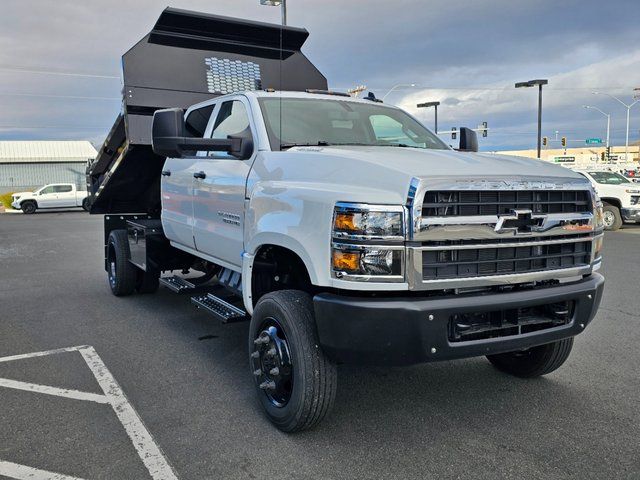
x=186, y=375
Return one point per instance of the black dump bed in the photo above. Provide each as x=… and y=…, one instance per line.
x=187, y=58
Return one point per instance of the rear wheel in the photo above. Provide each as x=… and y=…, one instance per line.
x=611, y=217
x=122, y=274
x=535, y=361
x=29, y=207
x=296, y=383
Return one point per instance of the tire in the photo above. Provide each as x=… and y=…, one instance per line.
x=612, y=217
x=29, y=207
x=85, y=204
x=122, y=274
x=535, y=361
x=147, y=282
x=304, y=388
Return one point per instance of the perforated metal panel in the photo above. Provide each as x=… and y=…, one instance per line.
x=228, y=76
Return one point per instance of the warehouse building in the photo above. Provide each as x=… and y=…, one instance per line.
x=26, y=165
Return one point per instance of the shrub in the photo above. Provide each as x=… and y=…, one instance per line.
x=5, y=199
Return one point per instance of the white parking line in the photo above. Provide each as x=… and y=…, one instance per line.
x=22, y=472
x=58, y=392
x=148, y=451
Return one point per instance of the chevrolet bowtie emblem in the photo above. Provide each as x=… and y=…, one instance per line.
x=520, y=222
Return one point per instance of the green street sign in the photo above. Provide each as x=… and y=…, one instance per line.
x=593, y=141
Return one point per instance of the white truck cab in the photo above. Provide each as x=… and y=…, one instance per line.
x=342, y=229
x=619, y=195
x=54, y=195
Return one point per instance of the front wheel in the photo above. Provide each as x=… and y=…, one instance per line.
x=296, y=383
x=28, y=207
x=534, y=361
x=611, y=217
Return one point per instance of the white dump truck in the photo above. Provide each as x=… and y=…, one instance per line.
x=54, y=195
x=342, y=229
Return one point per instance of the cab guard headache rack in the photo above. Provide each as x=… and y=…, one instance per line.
x=188, y=57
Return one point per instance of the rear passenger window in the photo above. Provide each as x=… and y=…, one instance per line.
x=62, y=188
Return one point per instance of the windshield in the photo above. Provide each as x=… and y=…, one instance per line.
x=608, y=178
x=309, y=121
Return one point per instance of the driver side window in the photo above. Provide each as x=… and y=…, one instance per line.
x=49, y=189
x=232, y=120
x=389, y=130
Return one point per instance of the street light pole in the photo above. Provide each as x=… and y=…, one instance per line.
x=397, y=86
x=277, y=3
x=435, y=106
x=539, y=83
x=628, y=107
x=606, y=115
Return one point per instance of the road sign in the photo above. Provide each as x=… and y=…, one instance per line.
x=593, y=141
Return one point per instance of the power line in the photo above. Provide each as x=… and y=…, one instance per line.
x=44, y=127
x=54, y=72
x=77, y=97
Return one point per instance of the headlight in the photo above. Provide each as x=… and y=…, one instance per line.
x=598, y=213
x=597, y=246
x=368, y=222
x=353, y=254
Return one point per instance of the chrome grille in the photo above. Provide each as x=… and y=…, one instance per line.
x=447, y=203
x=500, y=260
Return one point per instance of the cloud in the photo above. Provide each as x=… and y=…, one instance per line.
x=466, y=54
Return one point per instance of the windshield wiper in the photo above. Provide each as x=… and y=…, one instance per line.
x=404, y=145
x=320, y=143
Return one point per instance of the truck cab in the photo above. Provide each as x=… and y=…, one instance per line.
x=620, y=197
x=54, y=195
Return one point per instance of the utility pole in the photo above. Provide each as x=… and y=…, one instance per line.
x=435, y=106
x=608, y=120
x=628, y=107
x=539, y=83
x=277, y=3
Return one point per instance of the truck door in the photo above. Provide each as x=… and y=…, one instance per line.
x=219, y=188
x=177, y=184
x=48, y=197
x=66, y=196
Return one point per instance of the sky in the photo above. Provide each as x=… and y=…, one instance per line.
x=60, y=61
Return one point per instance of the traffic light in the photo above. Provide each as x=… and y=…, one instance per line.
x=454, y=135
x=608, y=149
x=484, y=129
x=544, y=141
x=564, y=141
x=602, y=156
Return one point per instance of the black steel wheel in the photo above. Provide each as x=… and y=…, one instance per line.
x=534, y=361
x=121, y=273
x=296, y=383
x=28, y=207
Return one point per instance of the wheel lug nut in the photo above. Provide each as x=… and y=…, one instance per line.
x=261, y=340
x=275, y=371
x=257, y=372
x=255, y=354
x=271, y=352
x=268, y=385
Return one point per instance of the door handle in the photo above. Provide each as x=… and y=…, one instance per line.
x=166, y=173
x=199, y=175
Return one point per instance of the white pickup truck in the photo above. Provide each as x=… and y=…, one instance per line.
x=341, y=228
x=620, y=197
x=54, y=195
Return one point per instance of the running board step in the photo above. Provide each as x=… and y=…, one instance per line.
x=177, y=284
x=224, y=311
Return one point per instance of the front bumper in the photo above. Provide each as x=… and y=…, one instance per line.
x=630, y=214
x=15, y=205
x=409, y=330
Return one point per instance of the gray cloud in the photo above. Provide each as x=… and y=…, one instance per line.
x=466, y=54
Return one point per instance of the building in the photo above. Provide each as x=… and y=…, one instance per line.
x=584, y=157
x=26, y=165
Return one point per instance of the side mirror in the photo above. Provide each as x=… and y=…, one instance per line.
x=468, y=140
x=168, y=140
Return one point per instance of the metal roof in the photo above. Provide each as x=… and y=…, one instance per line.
x=46, y=151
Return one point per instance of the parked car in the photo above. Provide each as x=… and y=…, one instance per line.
x=55, y=195
x=620, y=197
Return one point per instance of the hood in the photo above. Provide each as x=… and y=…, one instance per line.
x=385, y=173
x=21, y=194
